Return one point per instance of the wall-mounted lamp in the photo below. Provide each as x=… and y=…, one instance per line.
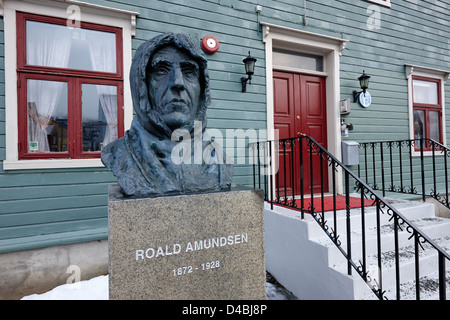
x=345, y=128
x=249, y=70
x=365, y=100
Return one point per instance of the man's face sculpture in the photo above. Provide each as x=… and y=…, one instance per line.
x=173, y=82
x=169, y=84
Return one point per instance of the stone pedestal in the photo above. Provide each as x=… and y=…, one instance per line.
x=197, y=247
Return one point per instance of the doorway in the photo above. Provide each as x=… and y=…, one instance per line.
x=300, y=109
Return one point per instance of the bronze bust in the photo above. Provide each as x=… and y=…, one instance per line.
x=170, y=90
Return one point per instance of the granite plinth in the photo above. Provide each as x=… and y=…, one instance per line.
x=198, y=247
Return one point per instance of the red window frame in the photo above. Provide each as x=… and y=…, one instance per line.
x=74, y=79
x=426, y=108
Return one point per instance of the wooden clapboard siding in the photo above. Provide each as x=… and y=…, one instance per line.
x=48, y=207
x=41, y=204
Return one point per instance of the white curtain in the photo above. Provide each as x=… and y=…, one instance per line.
x=46, y=46
x=102, y=48
x=425, y=92
x=108, y=101
x=419, y=124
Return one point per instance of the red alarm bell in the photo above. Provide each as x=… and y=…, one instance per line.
x=210, y=44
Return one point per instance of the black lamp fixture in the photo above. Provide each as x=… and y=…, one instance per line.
x=363, y=83
x=249, y=63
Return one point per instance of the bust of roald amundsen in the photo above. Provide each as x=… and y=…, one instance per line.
x=170, y=91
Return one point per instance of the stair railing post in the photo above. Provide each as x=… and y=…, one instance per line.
x=380, y=277
x=271, y=175
x=433, y=146
x=264, y=171
x=446, y=177
x=293, y=171
x=382, y=169
x=347, y=207
x=397, y=257
x=363, y=228
x=392, y=188
x=422, y=168
x=411, y=171
x=417, y=263
x=311, y=174
x=402, y=188
x=321, y=186
x=284, y=171
x=302, y=195
x=333, y=164
x=442, y=285
x=373, y=145
x=277, y=146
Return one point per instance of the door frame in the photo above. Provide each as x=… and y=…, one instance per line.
x=275, y=36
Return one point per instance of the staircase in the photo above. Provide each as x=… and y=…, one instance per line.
x=317, y=257
x=421, y=215
x=388, y=249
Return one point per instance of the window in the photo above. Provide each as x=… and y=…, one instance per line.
x=70, y=88
x=297, y=60
x=426, y=104
x=427, y=108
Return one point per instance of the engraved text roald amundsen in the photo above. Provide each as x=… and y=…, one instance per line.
x=176, y=248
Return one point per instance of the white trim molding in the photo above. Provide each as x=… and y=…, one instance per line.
x=131, y=14
x=411, y=69
x=386, y=3
x=123, y=19
x=442, y=75
x=330, y=48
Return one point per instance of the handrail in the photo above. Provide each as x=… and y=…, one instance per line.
x=402, y=163
x=303, y=151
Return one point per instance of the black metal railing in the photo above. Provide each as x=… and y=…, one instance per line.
x=299, y=173
x=417, y=167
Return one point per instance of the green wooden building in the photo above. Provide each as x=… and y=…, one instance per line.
x=64, y=93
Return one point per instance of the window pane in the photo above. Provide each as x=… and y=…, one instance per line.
x=52, y=45
x=434, y=125
x=425, y=92
x=99, y=109
x=297, y=60
x=47, y=116
x=419, y=124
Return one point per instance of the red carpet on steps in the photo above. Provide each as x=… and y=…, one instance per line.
x=328, y=203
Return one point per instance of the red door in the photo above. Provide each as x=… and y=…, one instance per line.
x=300, y=108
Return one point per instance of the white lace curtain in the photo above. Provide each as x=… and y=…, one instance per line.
x=103, y=58
x=49, y=47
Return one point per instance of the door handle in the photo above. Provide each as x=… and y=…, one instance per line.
x=298, y=117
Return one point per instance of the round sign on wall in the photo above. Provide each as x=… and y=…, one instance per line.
x=210, y=44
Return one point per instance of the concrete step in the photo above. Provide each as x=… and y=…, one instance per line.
x=410, y=209
x=290, y=239
x=438, y=229
x=429, y=288
x=435, y=228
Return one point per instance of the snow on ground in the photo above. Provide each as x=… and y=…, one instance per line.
x=92, y=289
x=97, y=289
